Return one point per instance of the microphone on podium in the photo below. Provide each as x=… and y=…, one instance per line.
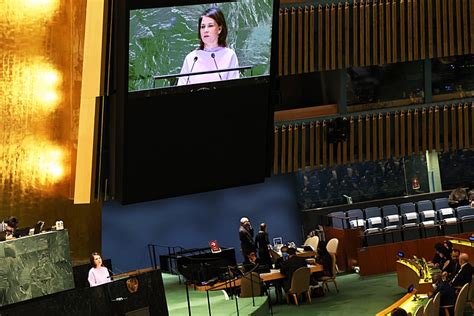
x=192, y=67
x=215, y=63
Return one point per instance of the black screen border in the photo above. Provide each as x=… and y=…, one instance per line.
x=120, y=98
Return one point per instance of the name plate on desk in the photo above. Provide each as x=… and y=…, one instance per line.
x=34, y=266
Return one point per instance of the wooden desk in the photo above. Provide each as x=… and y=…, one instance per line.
x=266, y=277
x=131, y=273
x=307, y=254
x=408, y=274
x=407, y=303
x=382, y=258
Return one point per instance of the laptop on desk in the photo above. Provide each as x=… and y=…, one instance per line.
x=21, y=232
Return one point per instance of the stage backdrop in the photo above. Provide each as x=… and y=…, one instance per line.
x=192, y=221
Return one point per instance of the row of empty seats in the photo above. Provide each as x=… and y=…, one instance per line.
x=407, y=221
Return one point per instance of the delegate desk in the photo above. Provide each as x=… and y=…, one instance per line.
x=407, y=303
x=411, y=273
x=266, y=277
x=34, y=266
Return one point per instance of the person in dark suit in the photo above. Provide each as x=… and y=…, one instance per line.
x=464, y=274
x=247, y=244
x=398, y=312
x=263, y=244
x=447, y=292
x=453, y=266
x=252, y=263
x=289, y=266
x=323, y=258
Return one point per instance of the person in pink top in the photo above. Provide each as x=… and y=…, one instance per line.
x=212, y=54
x=98, y=274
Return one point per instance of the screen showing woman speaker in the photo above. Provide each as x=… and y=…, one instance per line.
x=187, y=45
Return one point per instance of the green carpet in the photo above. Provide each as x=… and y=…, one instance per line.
x=178, y=304
x=357, y=296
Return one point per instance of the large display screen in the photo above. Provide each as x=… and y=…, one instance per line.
x=197, y=44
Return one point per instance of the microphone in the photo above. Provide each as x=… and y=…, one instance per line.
x=110, y=272
x=214, y=58
x=192, y=67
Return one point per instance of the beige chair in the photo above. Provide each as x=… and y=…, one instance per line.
x=436, y=304
x=429, y=308
x=250, y=285
x=327, y=279
x=419, y=311
x=470, y=295
x=461, y=300
x=313, y=242
x=299, y=284
x=331, y=247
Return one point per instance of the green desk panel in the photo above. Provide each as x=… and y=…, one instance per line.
x=34, y=266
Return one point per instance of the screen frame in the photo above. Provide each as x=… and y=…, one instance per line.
x=120, y=99
x=150, y=4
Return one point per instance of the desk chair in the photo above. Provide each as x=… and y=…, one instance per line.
x=449, y=220
x=392, y=223
x=429, y=308
x=299, y=284
x=332, y=278
x=419, y=311
x=331, y=247
x=436, y=303
x=312, y=242
x=460, y=302
x=466, y=217
x=440, y=203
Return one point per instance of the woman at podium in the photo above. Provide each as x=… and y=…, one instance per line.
x=212, y=54
x=98, y=274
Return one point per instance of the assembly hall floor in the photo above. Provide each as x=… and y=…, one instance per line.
x=357, y=296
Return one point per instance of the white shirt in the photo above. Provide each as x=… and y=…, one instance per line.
x=224, y=58
x=98, y=276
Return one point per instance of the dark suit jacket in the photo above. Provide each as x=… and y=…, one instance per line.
x=452, y=268
x=448, y=294
x=289, y=266
x=463, y=276
x=246, y=240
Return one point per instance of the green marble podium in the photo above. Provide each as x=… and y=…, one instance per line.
x=35, y=266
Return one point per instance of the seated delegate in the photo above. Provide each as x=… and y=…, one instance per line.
x=323, y=258
x=252, y=263
x=289, y=266
x=447, y=292
x=464, y=274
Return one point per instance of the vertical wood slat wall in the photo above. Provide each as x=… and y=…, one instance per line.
x=374, y=137
x=364, y=33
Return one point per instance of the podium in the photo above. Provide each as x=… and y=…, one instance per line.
x=135, y=293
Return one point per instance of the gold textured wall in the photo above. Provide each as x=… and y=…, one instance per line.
x=40, y=79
